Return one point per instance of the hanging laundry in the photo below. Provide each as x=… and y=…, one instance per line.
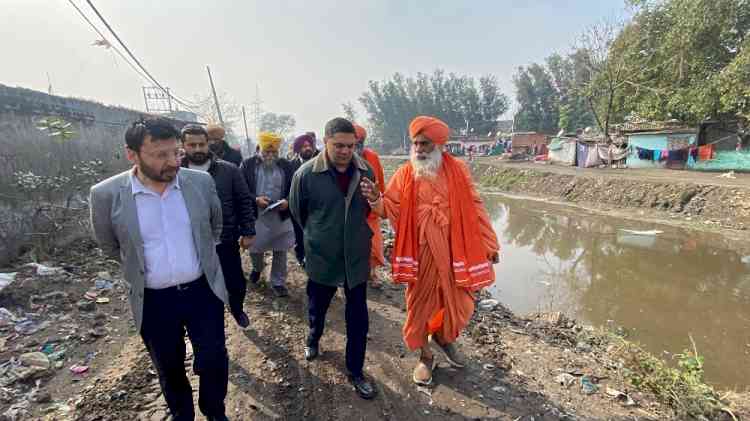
x=655, y=155
x=663, y=155
x=644, y=154
x=706, y=152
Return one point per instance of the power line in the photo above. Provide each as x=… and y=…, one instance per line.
x=125, y=59
x=135, y=59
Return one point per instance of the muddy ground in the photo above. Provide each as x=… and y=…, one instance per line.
x=517, y=363
x=515, y=366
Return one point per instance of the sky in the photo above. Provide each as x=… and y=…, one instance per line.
x=306, y=57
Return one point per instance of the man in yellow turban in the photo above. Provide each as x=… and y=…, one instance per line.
x=269, y=179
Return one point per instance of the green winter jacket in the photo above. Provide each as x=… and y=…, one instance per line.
x=337, y=236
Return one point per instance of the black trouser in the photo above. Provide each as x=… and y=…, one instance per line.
x=234, y=277
x=357, y=320
x=299, y=238
x=167, y=314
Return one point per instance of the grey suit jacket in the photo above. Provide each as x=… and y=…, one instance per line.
x=114, y=221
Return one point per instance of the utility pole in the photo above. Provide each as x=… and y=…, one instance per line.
x=247, y=135
x=257, y=111
x=216, y=99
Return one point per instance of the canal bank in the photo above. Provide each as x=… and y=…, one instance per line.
x=658, y=259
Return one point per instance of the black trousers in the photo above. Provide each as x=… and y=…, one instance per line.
x=357, y=320
x=299, y=237
x=234, y=277
x=167, y=314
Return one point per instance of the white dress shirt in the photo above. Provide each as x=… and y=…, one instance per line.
x=168, y=246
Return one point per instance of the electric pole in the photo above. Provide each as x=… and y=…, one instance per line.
x=257, y=111
x=216, y=99
x=247, y=135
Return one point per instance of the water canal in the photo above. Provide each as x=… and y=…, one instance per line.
x=661, y=286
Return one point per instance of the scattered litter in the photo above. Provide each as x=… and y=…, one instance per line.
x=584, y=347
x=43, y=270
x=650, y=232
x=565, y=379
x=488, y=304
x=91, y=295
x=6, y=279
x=587, y=386
x=29, y=327
x=79, y=369
x=499, y=389
x=489, y=367
x=84, y=305
x=103, y=284
x=729, y=174
x=621, y=397
x=6, y=317
x=102, y=300
x=35, y=359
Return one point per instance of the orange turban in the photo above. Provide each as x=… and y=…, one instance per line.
x=360, y=133
x=215, y=131
x=431, y=127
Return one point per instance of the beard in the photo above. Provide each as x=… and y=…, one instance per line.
x=163, y=175
x=270, y=160
x=216, y=147
x=198, y=158
x=428, y=165
x=305, y=155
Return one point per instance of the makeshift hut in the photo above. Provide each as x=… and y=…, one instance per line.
x=562, y=151
x=530, y=143
x=661, y=149
x=587, y=154
x=722, y=146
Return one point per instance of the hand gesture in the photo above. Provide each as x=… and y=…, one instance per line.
x=246, y=242
x=369, y=190
x=494, y=257
x=263, y=201
x=284, y=205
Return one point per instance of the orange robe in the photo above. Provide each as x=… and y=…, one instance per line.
x=376, y=255
x=434, y=303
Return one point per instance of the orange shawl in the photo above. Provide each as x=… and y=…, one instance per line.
x=471, y=267
x=372, y=158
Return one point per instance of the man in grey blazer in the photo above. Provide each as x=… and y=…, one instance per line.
x=163, y=224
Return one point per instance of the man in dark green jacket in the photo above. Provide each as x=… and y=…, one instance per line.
x=327, y=201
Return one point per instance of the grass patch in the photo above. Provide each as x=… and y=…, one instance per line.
x=682, y=388
x=504, y=180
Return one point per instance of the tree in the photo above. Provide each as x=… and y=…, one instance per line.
x=281, y=124
x=538, y=100
x=349, y=112
x=465, y=104
x=695, y=53
x=231, y=112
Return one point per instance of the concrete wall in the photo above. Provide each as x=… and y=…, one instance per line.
x=100, y=131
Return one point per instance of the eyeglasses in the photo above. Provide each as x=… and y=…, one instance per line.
x=175, y=154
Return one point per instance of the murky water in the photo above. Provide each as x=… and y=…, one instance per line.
x=662, y=288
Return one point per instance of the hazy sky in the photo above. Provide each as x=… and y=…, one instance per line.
x=308, y=57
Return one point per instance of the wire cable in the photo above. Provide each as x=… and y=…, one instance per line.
x=135, y=59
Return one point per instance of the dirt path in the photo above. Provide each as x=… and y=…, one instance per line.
x=513, y=364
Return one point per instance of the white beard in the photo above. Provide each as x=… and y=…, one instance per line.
x=427, y=168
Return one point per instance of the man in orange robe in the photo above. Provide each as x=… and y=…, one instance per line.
x=377, y=259
x=445, y=243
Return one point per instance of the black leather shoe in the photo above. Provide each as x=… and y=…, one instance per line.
x=311, y=352
x=364, y=387
x=242, y=320
x=254, y=277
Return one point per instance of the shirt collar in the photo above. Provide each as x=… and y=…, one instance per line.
x=138, y=187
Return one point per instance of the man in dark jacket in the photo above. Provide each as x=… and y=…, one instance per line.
x=304, y=150
x=219, y=146
x=268, y=177
x=237, y=209
x=327, y=200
